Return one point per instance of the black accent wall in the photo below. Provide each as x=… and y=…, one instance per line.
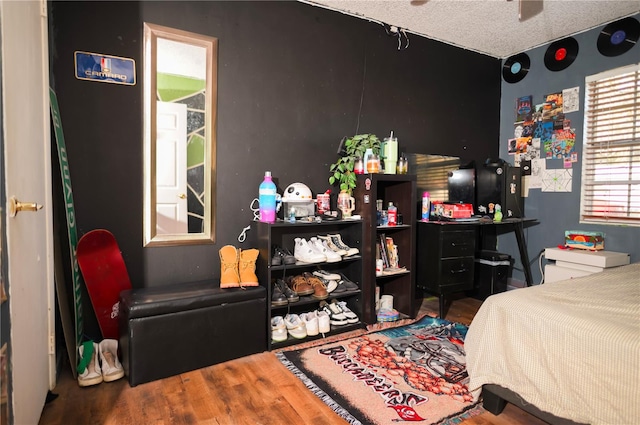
x=293, y=80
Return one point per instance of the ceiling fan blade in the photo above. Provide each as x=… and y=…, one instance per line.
x=529, y=8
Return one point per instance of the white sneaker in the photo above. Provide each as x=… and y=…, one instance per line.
x=323, y=274
x=310, y=320
x=350, y=315
x=336, y=316
x=331, y=245
x=331, y=285
x=295, y=326
x=305, y=254
x=111, y=368
x=91, y=373
x=324, y=325
x=321, y=248
x=337, y=241
x=278, y=329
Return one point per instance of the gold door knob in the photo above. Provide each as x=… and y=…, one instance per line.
x=16, y=206
x=182, y=196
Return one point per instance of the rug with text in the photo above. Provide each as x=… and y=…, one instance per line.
x=412, y=373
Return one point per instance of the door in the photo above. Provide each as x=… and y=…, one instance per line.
x=26, y=176
x=171, y=168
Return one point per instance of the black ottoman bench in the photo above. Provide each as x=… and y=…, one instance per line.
x=171, y=329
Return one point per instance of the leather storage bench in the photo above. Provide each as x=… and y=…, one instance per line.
x=171, y=329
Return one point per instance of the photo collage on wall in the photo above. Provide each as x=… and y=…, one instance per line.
x=543, y=132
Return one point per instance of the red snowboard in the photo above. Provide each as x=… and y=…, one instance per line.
x=105, y=275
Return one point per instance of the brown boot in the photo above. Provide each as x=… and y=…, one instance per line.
x=247, y=267
x=229, y=259
x=319, y=289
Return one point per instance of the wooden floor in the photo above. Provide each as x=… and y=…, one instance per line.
x=255, y=389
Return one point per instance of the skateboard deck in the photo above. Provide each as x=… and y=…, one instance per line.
x=105, y=276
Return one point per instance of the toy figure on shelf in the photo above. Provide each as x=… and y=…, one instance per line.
x=497, y=217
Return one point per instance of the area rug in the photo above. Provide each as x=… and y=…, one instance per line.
x=409, y=373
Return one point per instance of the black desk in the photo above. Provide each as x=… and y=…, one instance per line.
x=446, y=252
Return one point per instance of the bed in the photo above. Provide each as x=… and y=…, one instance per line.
x=568, y=351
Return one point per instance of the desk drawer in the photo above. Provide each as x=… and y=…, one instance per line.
x=457, y=271
x=458, y=244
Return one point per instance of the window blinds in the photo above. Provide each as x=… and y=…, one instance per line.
x=611, y=163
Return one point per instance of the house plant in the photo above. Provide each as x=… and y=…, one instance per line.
x=353, y=147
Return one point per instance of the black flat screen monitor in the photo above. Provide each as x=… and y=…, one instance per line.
x=462, y=186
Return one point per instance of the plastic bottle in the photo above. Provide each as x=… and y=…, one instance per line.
x=392, y=213
x=267, y=199
x=426, y=206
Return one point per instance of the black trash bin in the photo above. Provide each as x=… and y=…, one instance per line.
x=492, y=269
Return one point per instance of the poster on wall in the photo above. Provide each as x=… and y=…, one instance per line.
x=559, y=180
x=571, y=100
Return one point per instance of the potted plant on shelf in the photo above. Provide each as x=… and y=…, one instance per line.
x=342, y=172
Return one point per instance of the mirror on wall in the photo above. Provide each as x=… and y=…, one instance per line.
x=180, y=90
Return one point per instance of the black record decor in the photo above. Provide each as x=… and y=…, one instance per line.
x=560, y=54
x=618, y=37
x=515, y=68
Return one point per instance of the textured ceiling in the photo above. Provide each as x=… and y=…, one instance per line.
x=491, y=27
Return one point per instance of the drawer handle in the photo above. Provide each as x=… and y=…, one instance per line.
x=462, y=270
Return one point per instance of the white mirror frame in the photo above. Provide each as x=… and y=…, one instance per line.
x=152, y=237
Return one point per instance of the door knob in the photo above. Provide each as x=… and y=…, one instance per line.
x=16, y=206
x=182, y=196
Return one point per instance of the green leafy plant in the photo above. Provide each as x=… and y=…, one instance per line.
x=353, y=148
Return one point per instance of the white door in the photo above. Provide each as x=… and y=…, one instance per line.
x=27, y=176
x=171, y=168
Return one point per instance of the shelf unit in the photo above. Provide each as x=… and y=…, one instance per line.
x=283, y=234
x=401, y=190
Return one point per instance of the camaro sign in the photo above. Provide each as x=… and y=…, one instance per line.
x=105, y=68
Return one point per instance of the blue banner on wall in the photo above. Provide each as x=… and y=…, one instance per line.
x=105, y=68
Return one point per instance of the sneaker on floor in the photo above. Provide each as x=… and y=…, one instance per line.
x=350, y=315
x=111, y=367
x=326, y=275
x=295, y=326
x=331, y=245
x=278, y=329
x=324, y=322
x=89, y=371
x=319, y=247
x=310, y=320
x=337, y=241
x=336, y=316
x=305, y=254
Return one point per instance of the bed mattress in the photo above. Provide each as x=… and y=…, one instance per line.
x=571, y=348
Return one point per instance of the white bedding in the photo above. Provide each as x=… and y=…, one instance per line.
x=571, y=348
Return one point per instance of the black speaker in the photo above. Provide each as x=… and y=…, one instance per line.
x=498, y=182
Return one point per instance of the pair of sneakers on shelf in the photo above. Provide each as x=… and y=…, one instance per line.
x=99, y=363
x=320, y=249
x=339, y=313
x=335, y=282
x=300, y=326
x=282, y=294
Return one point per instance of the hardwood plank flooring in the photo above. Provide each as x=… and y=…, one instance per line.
x=255, y=389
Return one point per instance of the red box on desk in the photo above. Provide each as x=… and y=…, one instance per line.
x=457, y=210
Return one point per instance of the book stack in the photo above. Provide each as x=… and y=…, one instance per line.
x=387, y=251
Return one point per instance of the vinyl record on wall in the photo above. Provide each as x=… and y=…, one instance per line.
x=560, y=54
x=515, y=68
x=618, y=37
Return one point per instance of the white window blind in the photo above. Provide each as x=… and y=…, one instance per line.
x=611, y=156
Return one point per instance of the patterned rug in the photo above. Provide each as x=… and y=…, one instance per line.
x=408, y=373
